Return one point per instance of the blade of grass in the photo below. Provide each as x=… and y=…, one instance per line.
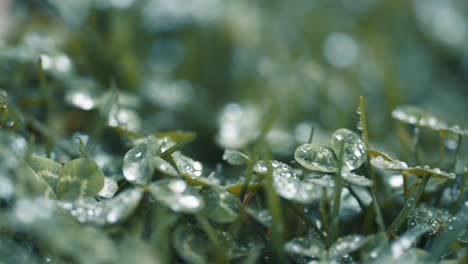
x=374, y=190
x=335, y=213
x=409, y=206
x=277, y=229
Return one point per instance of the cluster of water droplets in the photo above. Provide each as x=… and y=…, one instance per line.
x=429, y=217
x=381, y=163
x=234, y=157
x=306, y=246
x=106, y=211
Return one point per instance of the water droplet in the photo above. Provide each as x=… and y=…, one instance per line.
x=137, y=162
x=316, y=158
x=109, y=189
x=187, y=166
x=354, y=149
x=177, y=195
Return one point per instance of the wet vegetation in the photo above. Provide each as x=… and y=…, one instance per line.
x=157, y=131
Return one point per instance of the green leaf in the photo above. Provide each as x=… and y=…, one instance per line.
x=138, y=161
x=354, y=148
x=306, y=246
x=46, y=168
x=190, y=244
x=79, y=178
x=355, y=179
x=180, y=138
x=177, y=195
x=316, y=158
x=221, y=206
x=187, y=166
x=234, y=157
x=346, y=245
x=431, y=172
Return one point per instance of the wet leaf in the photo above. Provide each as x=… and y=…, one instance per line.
x=306, y=246
x=187, y=166
x=221, y=206
x=104, y=212
x=165, y=167
x=417, y=116
x=355, y=179
x=177, y=138
x=429, y=217
x=79, y=178
x=354, y=148
x=431, y=172
x=177, y=195
x=190, y=244
x=234, y=157
x=346, y=245
x=388, y=164
x=138, y=162
x=316, y=158
x=46, y=168
x=109, y=189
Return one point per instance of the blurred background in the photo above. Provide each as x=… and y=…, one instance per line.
x=220, y=67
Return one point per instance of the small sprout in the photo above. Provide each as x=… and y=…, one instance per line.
x=354, y=148
x=234, y=157
x=316, y=158
x=177, y=195
x=138, y=162
x=79, y=178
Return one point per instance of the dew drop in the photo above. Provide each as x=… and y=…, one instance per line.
x=354, y=148
x=137, y=162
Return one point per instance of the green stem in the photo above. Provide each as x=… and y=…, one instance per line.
x=277, y=229
x=365, y=134
x=248, y=178
x=461, y=195
x=333, y=234
x=324, y=208
x=312, y=132
x=356, y=196
x=409, y=206
x=219, y=249
x=311, y=223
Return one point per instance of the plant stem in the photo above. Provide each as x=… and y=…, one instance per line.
x=311, y=223
x=277, y=229
x=220, y=256
x=335, y=214
x=409, y=205
x=324, y=208
x=365, y=134
x=356, y=196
